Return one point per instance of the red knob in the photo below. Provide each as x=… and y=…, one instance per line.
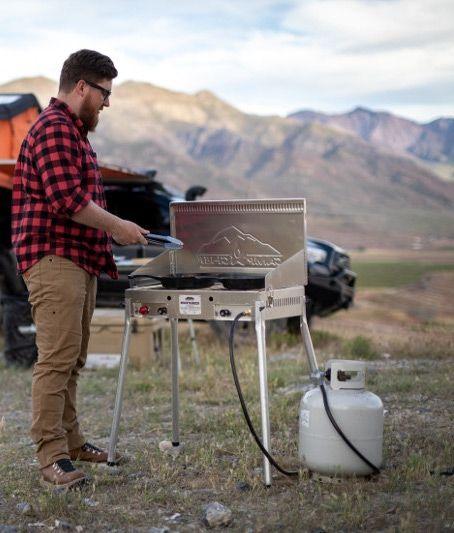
x=144, y=310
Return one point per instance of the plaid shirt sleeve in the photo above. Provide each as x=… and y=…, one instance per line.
x=58, y=160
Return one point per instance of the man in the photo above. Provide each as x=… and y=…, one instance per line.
x=62, y=234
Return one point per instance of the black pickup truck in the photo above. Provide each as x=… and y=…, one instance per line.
x=144, y=200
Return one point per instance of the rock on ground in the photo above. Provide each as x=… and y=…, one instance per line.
x=168, y=448
x=217, y=515
x=24, y=507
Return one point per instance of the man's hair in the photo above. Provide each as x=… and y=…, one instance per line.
x=86, y=65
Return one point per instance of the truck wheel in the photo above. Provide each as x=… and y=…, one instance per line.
x=293, y=323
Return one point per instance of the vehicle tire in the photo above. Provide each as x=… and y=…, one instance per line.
x=293, y=323
x=244, y=331
x=20, y=348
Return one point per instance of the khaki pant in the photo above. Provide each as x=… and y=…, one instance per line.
x=62, y=296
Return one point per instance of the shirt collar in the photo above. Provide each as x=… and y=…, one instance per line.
x=58, y=104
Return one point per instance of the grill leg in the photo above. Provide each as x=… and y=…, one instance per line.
x=307, y=341
x=120, y=385
x=263, y=380
x=175, y=380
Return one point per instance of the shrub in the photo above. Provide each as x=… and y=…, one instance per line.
x=360, y=348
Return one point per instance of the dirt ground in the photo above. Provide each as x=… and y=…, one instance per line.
x=418, y=319
x=405, y=334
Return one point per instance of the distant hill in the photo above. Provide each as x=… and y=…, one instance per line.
x=432, y=142
x=364, y=184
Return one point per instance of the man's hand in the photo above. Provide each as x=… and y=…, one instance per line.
x=127, y=232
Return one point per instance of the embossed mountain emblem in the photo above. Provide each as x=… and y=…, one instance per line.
x=232, y=247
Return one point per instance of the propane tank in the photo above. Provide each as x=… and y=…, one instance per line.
x=358, y=413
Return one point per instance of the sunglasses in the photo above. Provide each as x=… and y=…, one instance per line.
x=105, y=92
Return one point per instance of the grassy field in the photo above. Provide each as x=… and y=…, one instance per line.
x=394, y=273
x=409, y=350
x=382, y=268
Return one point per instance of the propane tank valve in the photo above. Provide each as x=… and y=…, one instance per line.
x=317, y=377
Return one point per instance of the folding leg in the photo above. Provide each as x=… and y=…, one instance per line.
x=175, y=381
x=120, y=385
x=308, y=346
x=263, y=381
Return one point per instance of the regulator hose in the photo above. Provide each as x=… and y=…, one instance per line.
x=265, y=452
x=341, y=433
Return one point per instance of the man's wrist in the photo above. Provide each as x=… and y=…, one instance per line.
x=115, y=224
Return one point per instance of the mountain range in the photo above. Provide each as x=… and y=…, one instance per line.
x=432, y=143
x=370, y=178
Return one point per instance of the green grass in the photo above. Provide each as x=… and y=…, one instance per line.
x=219, y=452
x=393, y=273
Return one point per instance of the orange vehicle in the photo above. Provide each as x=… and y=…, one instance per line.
x=17, y=114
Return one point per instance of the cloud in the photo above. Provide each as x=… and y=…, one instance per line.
x=362, y=25
x=262, y=56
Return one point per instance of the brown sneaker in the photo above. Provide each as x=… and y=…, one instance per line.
x=62, y=474
x=91, y=454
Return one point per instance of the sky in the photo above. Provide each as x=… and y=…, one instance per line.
x=268, y=57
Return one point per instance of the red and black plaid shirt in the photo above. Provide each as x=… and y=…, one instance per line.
x=56, y=175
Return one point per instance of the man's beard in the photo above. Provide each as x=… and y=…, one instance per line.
x=88, y=114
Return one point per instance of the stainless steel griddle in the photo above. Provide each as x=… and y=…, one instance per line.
x=224, y=239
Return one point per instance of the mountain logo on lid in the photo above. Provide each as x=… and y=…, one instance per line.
x=232, y=247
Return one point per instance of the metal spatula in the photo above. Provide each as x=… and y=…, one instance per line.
x=165, y=241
